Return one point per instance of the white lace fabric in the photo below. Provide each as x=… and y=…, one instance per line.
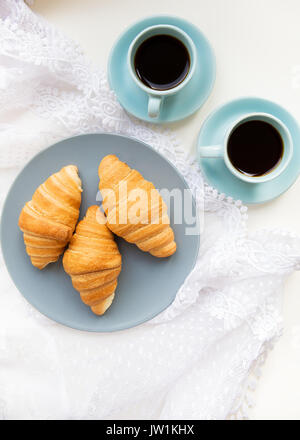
x=194, y=360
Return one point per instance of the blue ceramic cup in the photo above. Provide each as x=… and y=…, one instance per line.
x=156, y=97
x=221, y=151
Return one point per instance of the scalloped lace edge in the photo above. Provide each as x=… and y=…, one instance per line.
x=245, y=400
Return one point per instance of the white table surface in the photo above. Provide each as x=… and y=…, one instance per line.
x=257, y=45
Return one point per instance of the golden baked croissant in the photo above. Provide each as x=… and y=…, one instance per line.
x=93, y=261
x=49, y=219
x=144, y=222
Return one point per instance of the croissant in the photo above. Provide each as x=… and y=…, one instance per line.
x=134, y=208
x=49, y=219
x=93, y=261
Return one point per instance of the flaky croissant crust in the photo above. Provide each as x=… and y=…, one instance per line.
x=93, y=261
x=152, y=231
x=49, y=219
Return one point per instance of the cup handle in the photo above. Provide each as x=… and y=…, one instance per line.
x=211, y=151
x=154, y=104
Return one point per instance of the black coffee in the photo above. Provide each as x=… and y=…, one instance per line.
x=162, y=62
x=255, y=148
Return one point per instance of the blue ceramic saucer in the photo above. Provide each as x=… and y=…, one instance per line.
x=176, y=107
x=217, y=174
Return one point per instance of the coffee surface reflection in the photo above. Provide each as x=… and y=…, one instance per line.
x=162, y=62
x=255, y=148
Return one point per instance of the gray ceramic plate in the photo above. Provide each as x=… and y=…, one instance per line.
x=146, y=286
